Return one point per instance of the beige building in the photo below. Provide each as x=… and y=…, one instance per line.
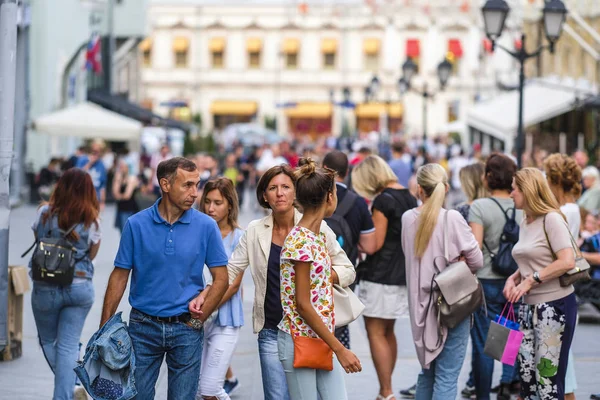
x=577, y=53
x=251, y=61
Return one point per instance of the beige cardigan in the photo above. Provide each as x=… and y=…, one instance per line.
x=254, y=248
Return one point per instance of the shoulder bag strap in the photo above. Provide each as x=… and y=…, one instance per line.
x=548, y=240
x=573, y=242
x=446, y=237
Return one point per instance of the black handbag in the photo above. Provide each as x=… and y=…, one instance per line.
x=53, y=259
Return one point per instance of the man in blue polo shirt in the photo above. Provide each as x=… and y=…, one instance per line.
x=166, y=247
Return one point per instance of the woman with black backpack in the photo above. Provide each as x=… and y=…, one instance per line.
x=383, y=282
x=488, y=218
x=62, y=297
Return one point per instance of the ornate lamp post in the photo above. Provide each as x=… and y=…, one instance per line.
x=494, y=18
x=409, y=70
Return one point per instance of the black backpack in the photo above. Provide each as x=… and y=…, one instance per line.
x=337, y=222
x=503, y=262
x=53, y=259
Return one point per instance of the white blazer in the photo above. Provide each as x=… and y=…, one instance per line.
x=254, y=248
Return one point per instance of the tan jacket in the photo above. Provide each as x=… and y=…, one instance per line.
x=253, y=250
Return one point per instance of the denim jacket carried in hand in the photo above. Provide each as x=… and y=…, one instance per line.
x=108, y=366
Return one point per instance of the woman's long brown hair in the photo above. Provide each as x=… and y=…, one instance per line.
x=74, y=201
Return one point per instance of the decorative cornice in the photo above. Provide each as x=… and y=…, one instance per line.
x=372, y=26
x=179, y=25
x=215, y=25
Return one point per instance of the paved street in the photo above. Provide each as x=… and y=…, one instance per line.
x=30, y=378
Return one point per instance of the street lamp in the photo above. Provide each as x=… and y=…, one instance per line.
x=373, y=88
x=409, y=70
x=494, y=18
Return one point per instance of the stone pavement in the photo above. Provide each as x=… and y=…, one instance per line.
x=29, y=377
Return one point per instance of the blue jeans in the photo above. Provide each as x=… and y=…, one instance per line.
x=305, y=383
x=273, y=377
x=121, y=219
x=439, y=382
x=59, y=314
x=182, y=345
x=482, y=364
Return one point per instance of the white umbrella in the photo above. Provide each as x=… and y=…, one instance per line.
x=89, y=121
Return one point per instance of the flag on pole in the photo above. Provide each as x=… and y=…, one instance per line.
x=93, y=56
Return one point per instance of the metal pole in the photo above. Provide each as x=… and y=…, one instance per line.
x=520, y=133
x=425, y=105
x=112, y=46
x=8, y=70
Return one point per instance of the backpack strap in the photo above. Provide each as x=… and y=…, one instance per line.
x=346, y=204
x=506, y=217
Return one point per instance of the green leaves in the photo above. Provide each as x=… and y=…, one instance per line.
x=546, y=368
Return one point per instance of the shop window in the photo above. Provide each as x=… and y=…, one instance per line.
x=218, y=60
x=254, y=59
x=181, y=59
x=291, y=60
x=372, y=62
x=329, y=60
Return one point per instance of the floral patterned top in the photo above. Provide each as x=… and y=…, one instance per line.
x=302, y=244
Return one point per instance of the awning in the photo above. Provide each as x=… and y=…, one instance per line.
x=291, y=46
x=499, y=116
x=90, y=121
x=181, y=44
x=395, y=110
x=413, y=48
x=371, y=46
x=233, y=108
x=375, y=110
x=455, y=48
x=253, y=45
x=122, y=106
x=310, y=110
x=146, y=44
x=329, y=46
x=216, y=44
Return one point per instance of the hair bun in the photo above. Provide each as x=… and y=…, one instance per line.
x=306, y=166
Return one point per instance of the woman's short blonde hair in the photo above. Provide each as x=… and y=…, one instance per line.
x=471, y=180
x=371, y=176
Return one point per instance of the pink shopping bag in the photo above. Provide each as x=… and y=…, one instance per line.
x=503, y=343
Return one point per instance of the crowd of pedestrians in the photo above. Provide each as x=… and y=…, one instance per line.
x=332, y=221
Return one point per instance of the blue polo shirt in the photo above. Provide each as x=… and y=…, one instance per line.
x=167, y=260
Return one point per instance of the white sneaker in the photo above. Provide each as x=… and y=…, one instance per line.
x=79, y=393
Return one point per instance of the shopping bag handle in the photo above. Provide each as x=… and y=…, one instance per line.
x=510, y=312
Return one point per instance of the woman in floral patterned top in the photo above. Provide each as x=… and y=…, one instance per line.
x=307, y=290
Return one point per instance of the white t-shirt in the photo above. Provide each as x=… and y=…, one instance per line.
x=573, y=214
x=456, y=164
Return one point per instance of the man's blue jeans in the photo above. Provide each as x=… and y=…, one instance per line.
x=273, y=376
x=59, y=314
x=439, y=382
x=482, y=364
x=182, y=345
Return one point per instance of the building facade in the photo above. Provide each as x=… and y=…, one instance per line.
x=56, y=59
x=307, y=66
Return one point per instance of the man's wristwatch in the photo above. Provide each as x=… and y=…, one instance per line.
x=536, y=277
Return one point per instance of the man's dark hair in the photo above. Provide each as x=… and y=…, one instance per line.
x=499, y=172
x=398, y=147
x=337, y=161
x=266, y=178
x=168, y=169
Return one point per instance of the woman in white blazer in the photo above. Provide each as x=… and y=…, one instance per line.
x=260, y=248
